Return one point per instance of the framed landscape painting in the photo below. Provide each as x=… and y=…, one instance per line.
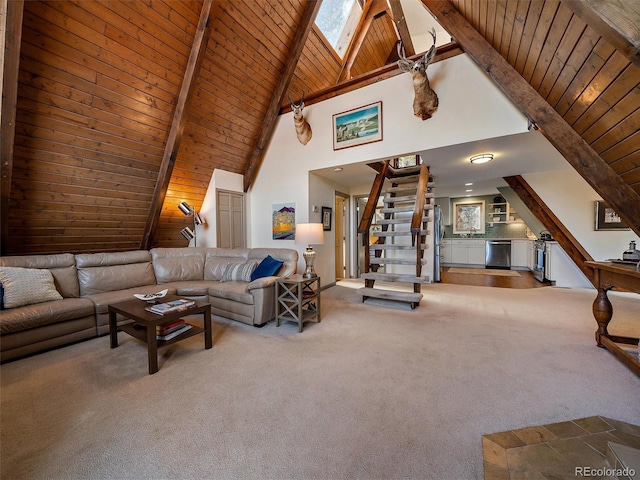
x=468, y=217
x=358, y=126
x=283, y=221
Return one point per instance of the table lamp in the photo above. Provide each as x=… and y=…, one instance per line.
x=309, y=234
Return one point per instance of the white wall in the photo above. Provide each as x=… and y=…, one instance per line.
x=206, y=234
x=572, y=200
x=471, y=108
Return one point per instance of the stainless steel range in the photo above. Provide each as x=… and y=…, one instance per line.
x=539, y=247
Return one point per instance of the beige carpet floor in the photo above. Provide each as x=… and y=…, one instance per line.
x=484, y=271
x=368, y=393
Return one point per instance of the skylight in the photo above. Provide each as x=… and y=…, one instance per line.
x=337, y=20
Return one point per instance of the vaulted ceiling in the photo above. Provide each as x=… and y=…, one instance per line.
x=114, y=112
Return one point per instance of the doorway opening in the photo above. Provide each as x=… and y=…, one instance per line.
x=342, y=253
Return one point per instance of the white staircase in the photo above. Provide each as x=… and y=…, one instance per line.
x=402, y=239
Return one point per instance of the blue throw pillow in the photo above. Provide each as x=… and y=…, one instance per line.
x=1, y=297
x=267, y=267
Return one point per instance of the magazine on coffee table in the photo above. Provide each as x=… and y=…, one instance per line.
x=171, y=307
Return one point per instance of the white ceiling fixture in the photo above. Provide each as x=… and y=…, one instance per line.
x=482, y=158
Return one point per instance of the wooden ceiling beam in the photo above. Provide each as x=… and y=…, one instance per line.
x=558, y=231
x=617, y=22
x=401, y=26
x=180, y=115
x=364, y=24
x=604, y=180
x=391, y=70
x=270, y=118
x=11, y=16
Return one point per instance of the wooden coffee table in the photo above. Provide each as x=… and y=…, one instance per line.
x=144, y=325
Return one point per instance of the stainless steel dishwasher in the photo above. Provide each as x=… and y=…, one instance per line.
x=498, y=254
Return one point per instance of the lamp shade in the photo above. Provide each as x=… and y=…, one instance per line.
x=185, y=208
x=188, y=233
x=309, y=234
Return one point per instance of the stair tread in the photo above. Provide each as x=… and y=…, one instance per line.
x=405, y=199
x=408, y=208
x=389, y=294
x=395, y=246
x=397, y=233
x=396, y=261
x=394, y=277
x=393, y=221
x=406, y=179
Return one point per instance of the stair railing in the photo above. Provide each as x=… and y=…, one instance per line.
x=369, y=212
x=417, y=239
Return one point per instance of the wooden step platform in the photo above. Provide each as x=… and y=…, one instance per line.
x=396, y=261
x=395, y=247
x=394, y=277
x=406, y=297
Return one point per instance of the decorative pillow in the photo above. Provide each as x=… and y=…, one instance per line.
x=238, y=272
x=268, y=266
x=1, y=297
x=24, y=286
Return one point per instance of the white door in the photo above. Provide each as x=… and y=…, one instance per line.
x=230, y=217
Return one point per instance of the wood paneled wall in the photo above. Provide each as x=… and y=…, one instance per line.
x=98, y=87
x=96, y=94
x=99, y=82
x=238, y=76
x=379, y=43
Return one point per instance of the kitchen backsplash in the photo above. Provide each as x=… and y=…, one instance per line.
x=497, y=230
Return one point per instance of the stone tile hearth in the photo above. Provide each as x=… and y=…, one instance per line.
x=573, y=449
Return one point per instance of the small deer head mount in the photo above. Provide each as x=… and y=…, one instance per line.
x=303, y=129
x=425, y=100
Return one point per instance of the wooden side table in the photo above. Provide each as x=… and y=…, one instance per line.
x=297, y=299
x=608, y=276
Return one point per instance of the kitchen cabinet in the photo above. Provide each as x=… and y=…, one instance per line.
x=520, y=252
x=445, y=251
x=531, y=255
x=468, y=252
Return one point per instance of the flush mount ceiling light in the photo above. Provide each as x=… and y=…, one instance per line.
x=337, y=169
x=482, y=158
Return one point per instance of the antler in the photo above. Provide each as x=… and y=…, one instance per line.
x=404, y=63
x=432, y=51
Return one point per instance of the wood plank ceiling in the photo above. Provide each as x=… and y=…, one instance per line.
x=576, y=68
x=99, y=83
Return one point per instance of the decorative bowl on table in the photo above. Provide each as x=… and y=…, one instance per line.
x=150, y=297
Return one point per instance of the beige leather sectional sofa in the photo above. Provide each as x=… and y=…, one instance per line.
x=88, y=283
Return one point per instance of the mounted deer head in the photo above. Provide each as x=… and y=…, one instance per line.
x=425, y=100
x=303, y=129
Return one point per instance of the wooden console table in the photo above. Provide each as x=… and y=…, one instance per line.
x=610, y=275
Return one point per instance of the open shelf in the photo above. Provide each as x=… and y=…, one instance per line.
x=139, y=331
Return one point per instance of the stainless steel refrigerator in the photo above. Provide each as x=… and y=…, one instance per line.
x=438, y=234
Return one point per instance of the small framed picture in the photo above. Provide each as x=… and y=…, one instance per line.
x=608, y=219
x=326, y=218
